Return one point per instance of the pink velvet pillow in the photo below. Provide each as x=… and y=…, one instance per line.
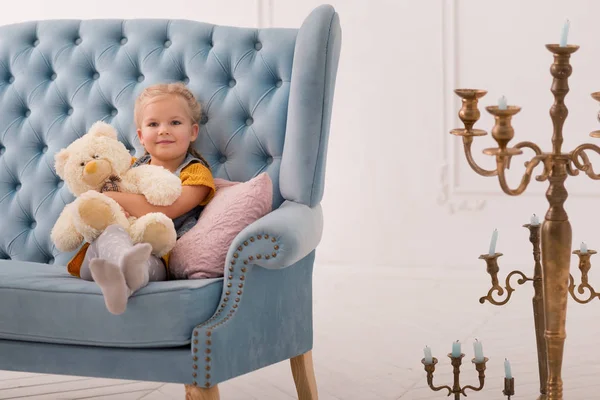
x=201, y=252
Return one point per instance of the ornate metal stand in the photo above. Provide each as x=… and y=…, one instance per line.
x=552, y=281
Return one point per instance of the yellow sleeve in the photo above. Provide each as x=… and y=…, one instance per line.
x=197, y=174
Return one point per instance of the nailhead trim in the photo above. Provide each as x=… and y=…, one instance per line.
x=234, y=305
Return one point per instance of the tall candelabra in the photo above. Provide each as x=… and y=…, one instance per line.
x=552, y=281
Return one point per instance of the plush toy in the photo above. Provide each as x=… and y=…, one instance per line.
x=98, y=162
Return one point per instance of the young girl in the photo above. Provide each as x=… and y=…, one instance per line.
x=166, y=117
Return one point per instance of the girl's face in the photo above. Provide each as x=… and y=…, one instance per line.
x=167, y=128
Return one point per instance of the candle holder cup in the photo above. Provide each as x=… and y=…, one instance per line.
x=584, y=267
x=509, y=387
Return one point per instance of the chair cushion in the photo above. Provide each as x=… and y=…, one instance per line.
x=43, y=303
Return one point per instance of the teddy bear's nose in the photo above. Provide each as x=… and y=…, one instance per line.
x=91, y=167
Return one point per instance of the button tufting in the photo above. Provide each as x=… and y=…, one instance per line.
x=114, y=112
x=269, y=160
x=249, y=121
x=123, y=40
x=279, y=83
x=51, y=260
x=17, y=186
x=222, y=159
x=36, y=42
x=203, y=120
x=33, y=224
x=167, y=43
x=2, y=150
x=27, y=113
x=78, y=40
x=141, y=78
x=258, y=45
x=53, y=76
x=70, y=111
x=11, y=79
x=44, y=149
x=95, y=76
x=186, y=80
x=60, y=184
x=232, y=83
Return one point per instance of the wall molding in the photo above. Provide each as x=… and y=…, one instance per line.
x=450, y=156
x=264, y=13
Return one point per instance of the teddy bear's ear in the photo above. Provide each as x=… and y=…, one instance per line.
x=101, y=128
x=60, y=160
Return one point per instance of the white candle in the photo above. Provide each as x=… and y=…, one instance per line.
x=478, y=351
x=507, y=370
x=565, y=33
x=535, y=221
x=428, y=357
x=583, y=248
x=493, y=242
x=456, y=349
x=502, y=103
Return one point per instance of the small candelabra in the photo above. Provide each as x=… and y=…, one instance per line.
x=552, y=240
x=456, y=362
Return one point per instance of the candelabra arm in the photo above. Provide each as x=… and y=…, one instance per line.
x=584, y=267
x=467, y=142
x=536, y=149
x=430, y=368
x=480, y=367
x=493, y=269
x=501, y=160
x=585, y=164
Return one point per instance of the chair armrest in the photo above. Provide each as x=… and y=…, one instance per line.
x=268, y=309
x=280, y=238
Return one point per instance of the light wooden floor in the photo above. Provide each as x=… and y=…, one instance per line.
x=371, y=324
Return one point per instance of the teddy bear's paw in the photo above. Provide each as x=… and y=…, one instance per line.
x=66, y=240
x=94, y=212
x=165, y=195
x=158, y=230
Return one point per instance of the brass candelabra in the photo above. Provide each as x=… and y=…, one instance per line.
x=551, y=279
x=456, y=362
x=456, y=389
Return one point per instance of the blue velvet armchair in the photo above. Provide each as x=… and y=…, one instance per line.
x=267, y=96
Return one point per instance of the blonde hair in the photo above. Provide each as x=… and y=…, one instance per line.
x=178, y=89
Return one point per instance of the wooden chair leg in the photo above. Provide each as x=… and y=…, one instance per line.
x=304, y=376
x=198, y=393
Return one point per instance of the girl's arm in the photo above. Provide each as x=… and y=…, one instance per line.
x=137, y=205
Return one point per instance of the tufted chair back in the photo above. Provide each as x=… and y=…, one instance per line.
x=58, y=77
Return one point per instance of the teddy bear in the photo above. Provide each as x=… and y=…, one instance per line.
x=98, y=162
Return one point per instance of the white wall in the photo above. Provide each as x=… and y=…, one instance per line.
x=394, y=174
